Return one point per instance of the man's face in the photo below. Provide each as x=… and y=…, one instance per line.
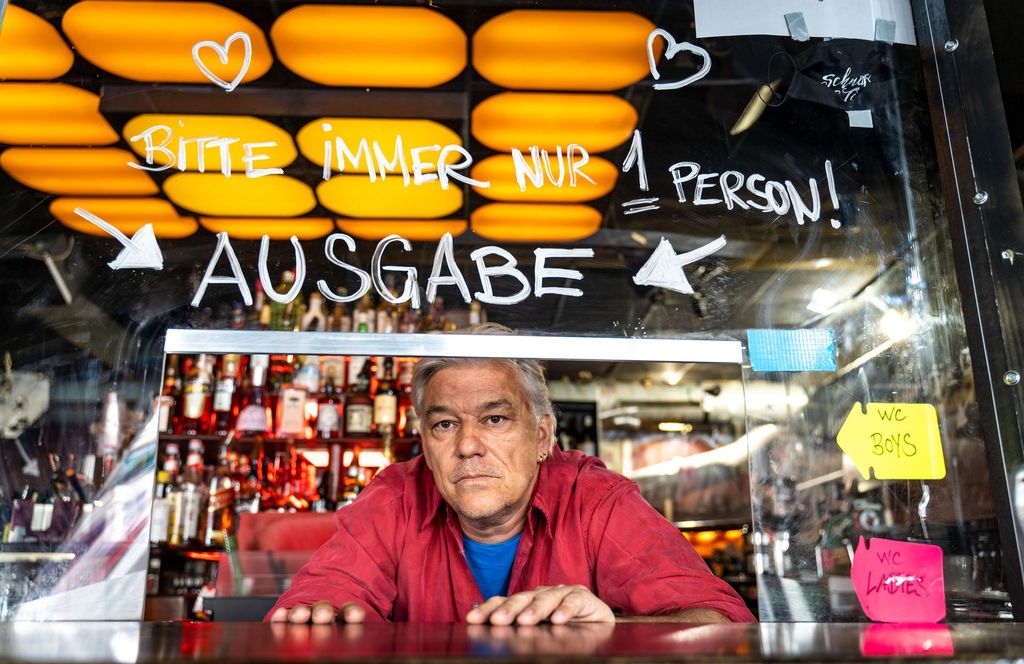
x=481, y=440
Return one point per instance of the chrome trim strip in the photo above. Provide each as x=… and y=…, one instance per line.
x=455, y=345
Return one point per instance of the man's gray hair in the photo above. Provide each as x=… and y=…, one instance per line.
x=529, y=374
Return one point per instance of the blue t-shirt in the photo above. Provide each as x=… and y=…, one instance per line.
x=491, y=564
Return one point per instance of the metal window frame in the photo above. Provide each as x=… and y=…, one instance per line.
x=986, y=218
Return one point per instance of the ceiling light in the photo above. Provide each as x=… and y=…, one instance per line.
x=521, y=222
x=356, y=196
x=126, y=214
x=822, y=301
x=389, y=47
x=253, y=228
x=563, y=50
x=548, y=120
x=153, y=41
x=673, y=378
x=77, y=171
x=675, y=427
x=500, y=171
x=192, y=141
x=417, y=231
x=31, y=48
x=897, y=325
x=379, y=135
x=51, y=114
x=215, y=195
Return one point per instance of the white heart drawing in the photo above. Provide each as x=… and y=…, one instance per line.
x=222, y=53
x=671, y=49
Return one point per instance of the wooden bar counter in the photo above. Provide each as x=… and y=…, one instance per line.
x=134, y=642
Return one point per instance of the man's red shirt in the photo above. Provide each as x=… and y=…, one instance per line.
x=398, y=550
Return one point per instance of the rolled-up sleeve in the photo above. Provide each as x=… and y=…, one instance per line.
x=359, y=563
x=644, y=566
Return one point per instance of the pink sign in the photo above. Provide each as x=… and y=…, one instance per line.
x=899, y=581
x=906, y=640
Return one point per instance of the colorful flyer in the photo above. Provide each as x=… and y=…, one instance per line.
x=899, y=582
x=899, y=440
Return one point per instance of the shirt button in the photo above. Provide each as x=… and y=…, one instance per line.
x=475, y=605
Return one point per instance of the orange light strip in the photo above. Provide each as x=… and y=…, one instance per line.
x=531, y=49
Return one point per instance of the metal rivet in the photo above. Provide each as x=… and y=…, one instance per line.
x=952, y=45
x=981, y=198
x=1011, y=377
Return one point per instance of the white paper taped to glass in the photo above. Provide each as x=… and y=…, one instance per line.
x=853, y=19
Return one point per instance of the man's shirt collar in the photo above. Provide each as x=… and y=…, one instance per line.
x=540, y=502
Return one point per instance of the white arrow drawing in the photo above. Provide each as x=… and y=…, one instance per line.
x=140, y=252
x=222, y=53
x=665, y=267
x=671, y=48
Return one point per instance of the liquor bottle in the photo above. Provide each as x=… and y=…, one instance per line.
x=254, y=318
x=298, y=313
x=315, y=320
x=248, y=487
x=328, y=419
x=288, y=320
x=266, y=317
x=362, y=317
x=333, y=367
x=410, y=319
x=308, y=375
x=277, y=308
x=358, y=403
x=172, y=462
x=225, y=398
x=342, y=313
x=220, y=509
x=354, y=367
x=408, y=422
x=196, y=406
x=383, y=317
x=291, y=411
x=333, y=478
x=167, y=402
x=387, y=448
x=477, y=315
x=254, y=417
x=189, y=498
x=238, y=317
x=385, y=401
x=160, y=521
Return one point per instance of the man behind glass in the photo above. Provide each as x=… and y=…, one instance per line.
x=495, y=524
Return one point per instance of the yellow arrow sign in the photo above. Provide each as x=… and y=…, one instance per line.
x=899, y=440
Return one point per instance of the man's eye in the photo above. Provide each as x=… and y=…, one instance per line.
x=444, y=425
x=496, y=419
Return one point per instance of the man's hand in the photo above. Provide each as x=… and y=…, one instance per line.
x=557, y=604
x=320, y=613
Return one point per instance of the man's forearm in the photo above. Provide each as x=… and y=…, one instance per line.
x=697, y=615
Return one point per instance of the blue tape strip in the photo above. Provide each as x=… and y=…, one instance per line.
x=792, y=350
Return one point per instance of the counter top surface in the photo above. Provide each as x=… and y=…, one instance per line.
x=131, y=642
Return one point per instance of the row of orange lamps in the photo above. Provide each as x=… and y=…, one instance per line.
x=504, y=49
x=337, y=45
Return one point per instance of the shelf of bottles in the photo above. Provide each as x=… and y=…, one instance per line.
x=250, y=433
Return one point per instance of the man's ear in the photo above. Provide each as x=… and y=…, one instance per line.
x=545, y=431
